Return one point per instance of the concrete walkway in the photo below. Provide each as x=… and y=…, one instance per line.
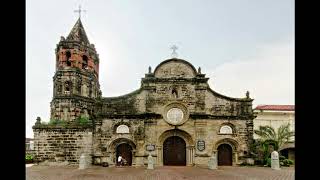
x=159, y=173
x=29, y=165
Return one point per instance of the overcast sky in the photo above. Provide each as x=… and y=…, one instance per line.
x=239, y=44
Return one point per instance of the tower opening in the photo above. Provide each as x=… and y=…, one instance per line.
x=68, y=55
x=84, y=62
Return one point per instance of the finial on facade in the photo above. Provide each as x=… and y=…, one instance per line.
x=149, y=69
x=62, y=38
x=247, y=94
x=38, y=120
x=199, y=70
x=174, y=54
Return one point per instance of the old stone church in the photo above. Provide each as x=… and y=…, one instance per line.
x=174, y=115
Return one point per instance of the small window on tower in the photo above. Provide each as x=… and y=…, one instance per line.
x=67, y=87
x=68, y=55
x=174, y=93
x=84, y=62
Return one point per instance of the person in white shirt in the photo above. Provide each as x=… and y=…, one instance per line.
x=120, y=160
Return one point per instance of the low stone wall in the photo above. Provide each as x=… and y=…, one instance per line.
x=30, y=152
x=62, y=144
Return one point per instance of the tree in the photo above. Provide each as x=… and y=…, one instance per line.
x=269, y=135
x=270, y=139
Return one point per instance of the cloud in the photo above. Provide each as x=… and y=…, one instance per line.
x=268, y=74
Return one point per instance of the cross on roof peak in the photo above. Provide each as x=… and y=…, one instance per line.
x=174, y=54
x=79, y=11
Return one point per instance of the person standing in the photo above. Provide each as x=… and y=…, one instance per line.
x=120, y=160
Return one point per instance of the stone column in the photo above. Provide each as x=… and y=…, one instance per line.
x=159, y=156
x=190, y=155
x=112, y=159
x=133, y=158
x=235, y=158
x=213, y=161
x=84, y=161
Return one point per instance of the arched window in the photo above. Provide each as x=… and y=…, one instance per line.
x=225, y=130
x=68, y=55
x=84, y=62
x=122, y=129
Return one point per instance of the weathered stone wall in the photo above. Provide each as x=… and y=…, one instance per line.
x=68, y=109
x=207, y=112
x=130, y=104
x=62, y=144
x=106, y=139
x=175, y=68
x=81, y=83
x=204, y=129
x=174, y=83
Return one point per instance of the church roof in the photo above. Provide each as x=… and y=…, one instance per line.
x=78, y=33
x=275, y=107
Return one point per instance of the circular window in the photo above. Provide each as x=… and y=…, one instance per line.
x=175, y=115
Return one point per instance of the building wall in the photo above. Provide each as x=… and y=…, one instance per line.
x=144, y=112
x=274, y=119
x=62, y=144
x=174, y=83
x=157, y=130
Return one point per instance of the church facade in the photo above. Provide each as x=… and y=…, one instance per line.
x=174, y=116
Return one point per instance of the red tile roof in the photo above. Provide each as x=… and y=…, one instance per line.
x=275, y=107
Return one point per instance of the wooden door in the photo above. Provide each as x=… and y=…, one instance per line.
x=224, y=155
x=174, y=151
x=125, y=151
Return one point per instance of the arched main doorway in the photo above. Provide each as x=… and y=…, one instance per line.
x=174, y=151
x=125, y=150
x=225, y=155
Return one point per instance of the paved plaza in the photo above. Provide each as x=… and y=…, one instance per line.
x=37, y=172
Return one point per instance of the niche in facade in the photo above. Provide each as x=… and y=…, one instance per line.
x=225, y=130
x=122, y=129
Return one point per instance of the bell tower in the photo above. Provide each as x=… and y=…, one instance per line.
x=76, y=79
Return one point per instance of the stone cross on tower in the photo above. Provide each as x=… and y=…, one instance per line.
x=79, y=11
x=174, y=54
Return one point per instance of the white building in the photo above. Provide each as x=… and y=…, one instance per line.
x=29, y=144
x=275, y=116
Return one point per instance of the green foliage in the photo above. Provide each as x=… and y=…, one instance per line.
x=270, y=140
x=29, y=157
x=82, y=120
x=279, y=138
x=261, y=150
x=286, y=162
x=281, y=158
x=268, y=162
x=57, y=122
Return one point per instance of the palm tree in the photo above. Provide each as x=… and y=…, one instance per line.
x=279, y=138
x=270, y=138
